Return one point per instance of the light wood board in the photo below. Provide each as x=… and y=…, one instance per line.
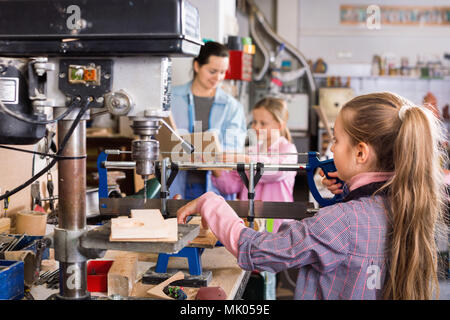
x=144, y=225
x=157, y=290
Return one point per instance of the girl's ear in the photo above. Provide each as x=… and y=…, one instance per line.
x=363, y=153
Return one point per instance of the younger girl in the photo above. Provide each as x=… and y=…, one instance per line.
x=273, y=145
x=380, y=241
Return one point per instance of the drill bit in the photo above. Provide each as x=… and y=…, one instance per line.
x=145, y=190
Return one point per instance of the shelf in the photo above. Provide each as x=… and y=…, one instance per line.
x=323, y=76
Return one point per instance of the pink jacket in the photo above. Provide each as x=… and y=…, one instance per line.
x=273, y=185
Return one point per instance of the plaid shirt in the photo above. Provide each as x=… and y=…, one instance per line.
x=340, y=252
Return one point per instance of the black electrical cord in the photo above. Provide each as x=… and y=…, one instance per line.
x=24, y=118
x=53, y=162
x=51, y=155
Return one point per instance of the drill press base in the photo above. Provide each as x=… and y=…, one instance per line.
x=153, y=277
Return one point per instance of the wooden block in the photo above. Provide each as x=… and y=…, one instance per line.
x=205, y=237
x=157, y=291
x=144, y=226
x=122, y=275
x=5, y=225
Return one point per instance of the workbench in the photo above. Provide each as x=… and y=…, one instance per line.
x=225, y=272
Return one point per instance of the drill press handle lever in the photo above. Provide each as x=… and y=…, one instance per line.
x=326, y=166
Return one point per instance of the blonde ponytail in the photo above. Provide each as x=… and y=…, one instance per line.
x=408, y=143
x=417, y=202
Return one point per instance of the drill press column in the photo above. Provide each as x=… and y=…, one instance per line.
x=72, y=210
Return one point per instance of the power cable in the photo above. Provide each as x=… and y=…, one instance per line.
x=24, y=118
x=58, y=153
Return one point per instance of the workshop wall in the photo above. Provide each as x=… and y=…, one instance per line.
x=15, y=169
x=321, y=34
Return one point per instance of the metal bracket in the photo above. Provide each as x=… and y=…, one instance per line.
x=165, y=182
x=251, y=182
x=173, y=172
x=68, y=249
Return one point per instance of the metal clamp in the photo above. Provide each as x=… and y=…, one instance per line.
x=250, y=182
x=165, y=181
x=68, y=249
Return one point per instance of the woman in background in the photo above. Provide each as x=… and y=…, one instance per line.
x=201, y=105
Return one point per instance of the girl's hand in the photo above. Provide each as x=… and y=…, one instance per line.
x=331, y=184
x=189, y=209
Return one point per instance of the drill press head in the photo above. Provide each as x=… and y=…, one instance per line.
x=145, y=150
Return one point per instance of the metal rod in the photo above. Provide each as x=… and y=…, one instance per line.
x=16, y=242
x=233, y=166
x=115, y=151
x=244, y=153
x=119, y=164
x=211, y=166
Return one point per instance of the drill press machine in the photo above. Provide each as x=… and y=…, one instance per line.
x=77, y=59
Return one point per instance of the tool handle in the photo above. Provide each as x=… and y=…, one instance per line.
x=326, y=166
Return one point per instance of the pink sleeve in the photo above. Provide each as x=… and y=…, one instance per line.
x=221, y=219
x=229, y=182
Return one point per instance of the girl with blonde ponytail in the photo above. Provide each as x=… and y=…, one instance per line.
x=406, y=140
x=379, y=242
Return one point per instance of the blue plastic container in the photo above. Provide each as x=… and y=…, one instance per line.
x=11, y=280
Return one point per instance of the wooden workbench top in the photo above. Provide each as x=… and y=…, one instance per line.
x=225, y=271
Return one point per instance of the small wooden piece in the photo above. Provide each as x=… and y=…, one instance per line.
x=122, y=275
x=157, y=291
x=146, y=225
x=5, y=225
x=205, y=239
